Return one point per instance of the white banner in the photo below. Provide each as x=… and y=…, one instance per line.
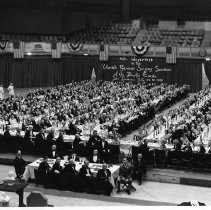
x=38, y=47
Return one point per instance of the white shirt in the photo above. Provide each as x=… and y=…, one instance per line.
x=95, y=158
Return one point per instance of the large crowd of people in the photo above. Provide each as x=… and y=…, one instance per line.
x=80, y=108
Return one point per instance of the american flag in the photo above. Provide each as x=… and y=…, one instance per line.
x=171, y=54
x=56, y=49
x=18, y=48
x=103, y=54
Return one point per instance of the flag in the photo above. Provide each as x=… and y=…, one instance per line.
x=56, y=49
x=171, y=54
x=18, y=48
x=93, y=76
x=103, y=53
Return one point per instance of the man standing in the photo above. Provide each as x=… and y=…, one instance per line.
x=11, y=90
x=94, y=142
x=125, y=176
x=19, y=164
x=139, y=168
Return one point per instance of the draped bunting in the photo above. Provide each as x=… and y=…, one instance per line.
x=3, y=45
x=140, y=50
x=75, y=47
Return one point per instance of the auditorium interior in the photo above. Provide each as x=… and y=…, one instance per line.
x=105, y=103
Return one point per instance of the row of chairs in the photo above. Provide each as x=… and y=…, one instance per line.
x=174, y=159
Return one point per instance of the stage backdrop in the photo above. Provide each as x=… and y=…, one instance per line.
x=44, y=71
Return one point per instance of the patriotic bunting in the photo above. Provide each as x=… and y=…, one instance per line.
x=140, y=50
x=3, y=45
x=75, y=47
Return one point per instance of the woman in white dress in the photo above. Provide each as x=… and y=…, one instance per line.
x=1, y=92
x=11, y=90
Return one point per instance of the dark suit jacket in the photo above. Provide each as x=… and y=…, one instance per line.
x=50, y=155
x=57, y=167
x=69, y=169
x=39, y=141
x=19, y=164
x=125, y=172
x=44, y=168
x=187, y=149
x=92, y=161
x=83, y=171
x=104, y=148
x=101, y=174
x=139, y=166
x=94, y=142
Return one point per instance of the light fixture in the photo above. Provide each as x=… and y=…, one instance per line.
x=207, y=59
x=29, y=53
x=85, y=54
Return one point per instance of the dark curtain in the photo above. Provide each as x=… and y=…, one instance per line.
x=207, y=68
x=185, y=71
x=45, y=71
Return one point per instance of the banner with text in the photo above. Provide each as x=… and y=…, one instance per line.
x=150, y=71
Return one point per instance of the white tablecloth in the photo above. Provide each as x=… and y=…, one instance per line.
x=29, y=171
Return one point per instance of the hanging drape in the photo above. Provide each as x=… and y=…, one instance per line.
x=45, y=71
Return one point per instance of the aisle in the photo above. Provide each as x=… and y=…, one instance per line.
x=131, y=135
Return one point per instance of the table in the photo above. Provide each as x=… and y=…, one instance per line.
x=29, y=171
x=16, y=186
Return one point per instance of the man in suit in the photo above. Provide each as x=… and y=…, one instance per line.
x=44, y=167
x=60, y=143
x=95, y=157
x=50, y=141
x=105, y=173
x=94, y=142
x=70, y=168
x=7, y=139
x=53, y=153
x=19, y=164
x=104, y=150
x=139, y=168
x=125, y=176
x=56, y=172
x=78, y=147
x=85, y=170
x=44, y=170
x=28, y=140
x=40, y=142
